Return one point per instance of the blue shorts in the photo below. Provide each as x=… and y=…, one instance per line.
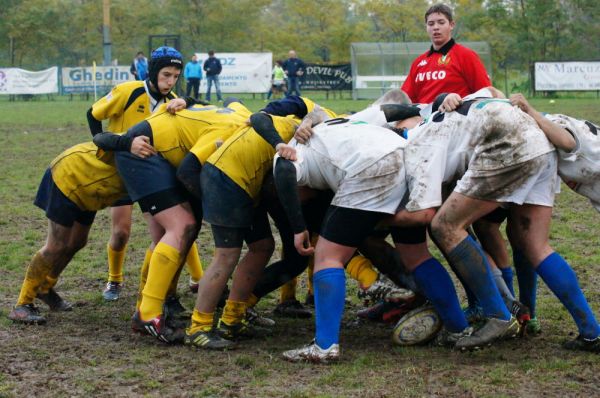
x=151, y=182
x=58, y=207
x=224, y=202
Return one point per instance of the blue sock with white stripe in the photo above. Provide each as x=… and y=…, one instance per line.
x=330, y=295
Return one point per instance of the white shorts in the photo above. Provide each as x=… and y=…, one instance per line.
x=532, y=182
x=378, y=188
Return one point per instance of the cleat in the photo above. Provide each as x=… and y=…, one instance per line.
x=309, y=300
x=175, y=309
x=54, y=301
x=208, y=340
x=533, y=327
x=158, y=328
x=390, y=312
x=292, y=309
x=27, y=313
x=494, y=329
x=521, y=312
x=193, y=285
x=313, y=353
x=474, y=314
x=112, y=291
x=241, y=330
x=583, y=344
x=386, y=290
x=445, y=338
x=417, y=326
x=254, y=318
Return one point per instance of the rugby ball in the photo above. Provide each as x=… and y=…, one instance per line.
x=417, y=326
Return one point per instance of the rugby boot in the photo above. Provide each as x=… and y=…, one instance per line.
x=386, y=290
x=112, y=291
x=209, y=340
x=158, y=328
x=241, y=330
x=54, y=301
x=494, y=329
x=27, y=313
x=445, y=338
x=253, y=317
x=583, y=344
x=292, y=309
x=313, y=353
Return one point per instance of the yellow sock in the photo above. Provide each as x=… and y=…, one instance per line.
x=288, y=291
x=143, y=277
x=173, y=285
x=233, y=312
x=252, y=300
x=36, y=274
x=194, y=263
x=164, y=264
x=47, y=284
x=361, y=269
x=115, y=264
x=201, y=321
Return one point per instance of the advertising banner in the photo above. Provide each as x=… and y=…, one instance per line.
x=20, y=81
x=242, y=72
x=81, y=79
x=327, y=77
x=567, y=76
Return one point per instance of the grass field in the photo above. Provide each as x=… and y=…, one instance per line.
x=92, y=352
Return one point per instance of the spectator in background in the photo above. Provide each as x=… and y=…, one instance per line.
x=278, y=80
x=294, y=68
x=212, y=67
x=193, y=76
x=447, y=66
x=139, y=66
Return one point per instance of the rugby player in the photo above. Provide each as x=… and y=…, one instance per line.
x=74, y=187
x=175, y=143
x=497, y=155
x=124, y=106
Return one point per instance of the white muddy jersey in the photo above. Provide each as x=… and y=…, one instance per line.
x=361, y=163
x=482, y=135
x=580, y=168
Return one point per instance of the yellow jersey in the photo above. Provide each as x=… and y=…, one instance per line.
x=195, y=129
x=124, y=106
x=89, y=182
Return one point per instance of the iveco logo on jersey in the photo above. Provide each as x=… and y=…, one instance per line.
x=435, y=75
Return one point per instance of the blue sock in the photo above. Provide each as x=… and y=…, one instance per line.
x=470, y=261
x=561, y=279
x=507, y=275
x=471, y=298
x=435, y=282
x=527, y=279
x=330, y=294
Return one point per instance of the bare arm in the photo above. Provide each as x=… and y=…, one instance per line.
x=304, y=131
x=557, y=135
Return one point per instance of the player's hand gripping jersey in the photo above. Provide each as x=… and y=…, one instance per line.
x=91, y=183
x=580, y=168
x=486, y=136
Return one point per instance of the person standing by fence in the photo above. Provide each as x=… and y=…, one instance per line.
x=213, y=68
x=193, y=76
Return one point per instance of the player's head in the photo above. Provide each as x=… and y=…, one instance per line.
x=164, y=68
x=393, y=96
x=440, y=23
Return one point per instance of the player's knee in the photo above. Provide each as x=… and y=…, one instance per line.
x=77, y=245
x=119, y=239
x=190, y=231
x=264, y=247
x=440, y=229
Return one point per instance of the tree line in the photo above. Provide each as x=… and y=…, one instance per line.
x=40, y=33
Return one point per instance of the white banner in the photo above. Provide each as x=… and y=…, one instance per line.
x=20, y=81
x=559, y=76
x=81, y=80
x=242, y=72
